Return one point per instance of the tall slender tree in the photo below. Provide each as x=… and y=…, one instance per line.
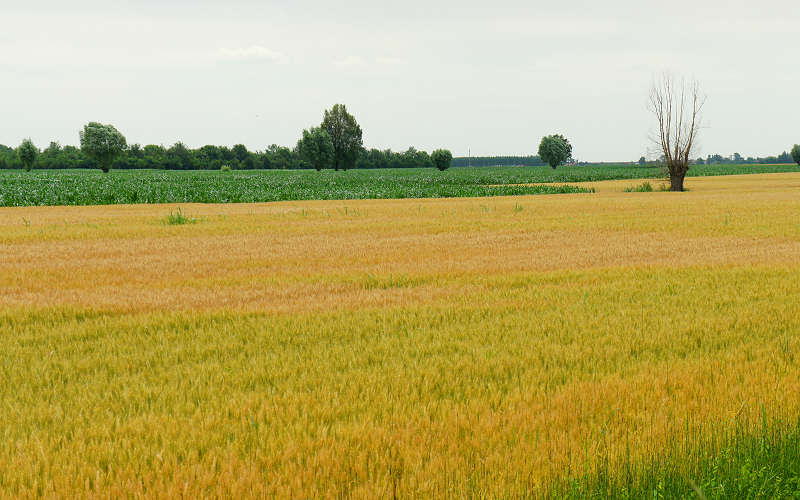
x=346, y=135
x=27, y=153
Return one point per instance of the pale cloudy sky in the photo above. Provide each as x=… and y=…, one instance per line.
x=493, y=76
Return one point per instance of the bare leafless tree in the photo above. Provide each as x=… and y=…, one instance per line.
x=676, y=106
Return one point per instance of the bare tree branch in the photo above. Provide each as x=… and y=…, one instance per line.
x=677, y=108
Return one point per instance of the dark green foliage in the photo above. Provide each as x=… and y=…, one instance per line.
x=178, y=157
x=441, y=159
x=151, y=156
x=27, y=153
x=346, y=135
x=7, y=155
x=212, y=157
x=498, y=161
x=280, y=157
x=240, y=152
x=555, y=150
x=796, y=153
x=102, y=143
x=410, y=158
x=738, y=159
x=316, y=148
x=532, y=161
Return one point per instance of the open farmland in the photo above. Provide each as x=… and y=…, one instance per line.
x=90, y=187
x=500, y=347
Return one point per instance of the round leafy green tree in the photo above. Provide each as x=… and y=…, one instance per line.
x=346, y=136
x=555, y=150
x=441, y=159
x=316, y=147
x=796, y=153
x=102, y=143
x=27, y=153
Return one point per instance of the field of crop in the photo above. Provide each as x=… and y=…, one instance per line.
x=82, y=187
x=626, y=344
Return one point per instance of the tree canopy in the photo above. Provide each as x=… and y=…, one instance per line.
x=102, y=143
x=796, y=153
x=441, y=159
x=27, y=153
x=555, y=150
x=346, y=135
x=316, y=148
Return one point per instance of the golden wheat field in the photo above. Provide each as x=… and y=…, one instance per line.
x=411, y=348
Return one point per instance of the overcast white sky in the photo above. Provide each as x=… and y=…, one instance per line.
x=493, y=76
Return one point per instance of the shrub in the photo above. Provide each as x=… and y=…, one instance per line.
x=178, y=219
x=644, y=187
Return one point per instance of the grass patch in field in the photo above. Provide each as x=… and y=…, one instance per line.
x=746, y=461
x=178, y=218
x=644, y=187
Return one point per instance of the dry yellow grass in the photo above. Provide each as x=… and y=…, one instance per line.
x=362, y=348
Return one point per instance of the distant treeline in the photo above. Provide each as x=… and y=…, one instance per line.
x=179, y=157
x=535, y=161
x=498, y=161
x=736, y=158
x=238, y=157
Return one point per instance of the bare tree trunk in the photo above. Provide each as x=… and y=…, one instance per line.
x=676, y=182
